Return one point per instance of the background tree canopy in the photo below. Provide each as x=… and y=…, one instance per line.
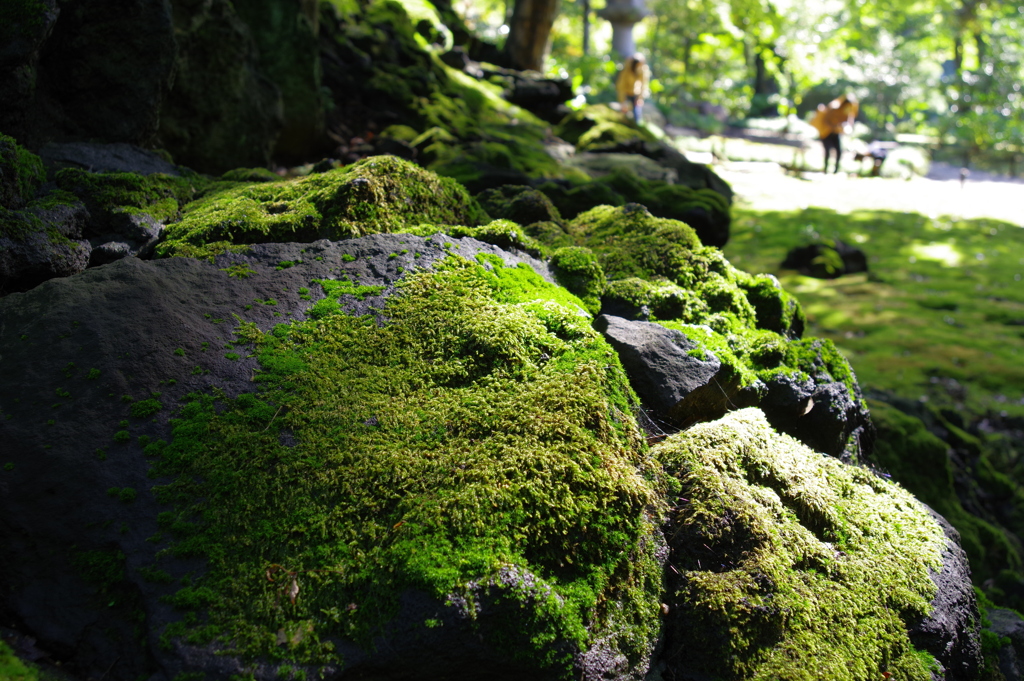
x=950, y=69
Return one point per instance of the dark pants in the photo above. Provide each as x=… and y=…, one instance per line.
x=637, y=107
x=832, y=143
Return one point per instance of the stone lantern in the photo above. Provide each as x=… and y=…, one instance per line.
x=623, y=14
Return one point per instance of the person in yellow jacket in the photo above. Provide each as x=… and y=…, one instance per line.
x=832, y=120
x=633, y=84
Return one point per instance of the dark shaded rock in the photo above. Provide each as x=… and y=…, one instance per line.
x=41, y=242
x=827, y=260
x=820, y=412
x=129, y=234
x=672, y=384
x=222, y=112
x=520, y=204
x=1008, y=624
x=24, y=27
x=106, y=158
x=103, y=74
x=950, y=631
x=394, y=147
x=285, y=33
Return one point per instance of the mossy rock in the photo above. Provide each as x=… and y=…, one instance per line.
x=791, y=565
x=376, y=195
x=502, y=233
x=705, y=210
x=109, y=195
x=21, y=174
x=599, y=126
x=578, y=270
x=521, y=204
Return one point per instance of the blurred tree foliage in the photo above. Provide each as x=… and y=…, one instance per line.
x=947, y=68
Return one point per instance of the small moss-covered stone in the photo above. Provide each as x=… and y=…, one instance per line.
x=790, y=564
x=503, y=233
x=521, y=204
x=378, y=194
x=776, y=309
x=108, y=194
x=250, y=175
x=21, y=173
x=599, y=126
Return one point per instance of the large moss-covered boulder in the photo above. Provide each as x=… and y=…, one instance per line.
x=392, y=456
x=792, y=565
x=379, y=194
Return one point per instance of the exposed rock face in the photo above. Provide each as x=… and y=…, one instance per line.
x=950, y=631
x=1008, y=624
x=669, y=380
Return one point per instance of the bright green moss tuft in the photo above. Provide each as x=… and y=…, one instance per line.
x=146, y=408
x=792, y=565
x=578, y=270
x=501, y=233
x=13, y=669
x=484, y=432
x=378, y=194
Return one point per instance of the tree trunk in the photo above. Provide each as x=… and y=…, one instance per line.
x=586, y=27
x=529, y=31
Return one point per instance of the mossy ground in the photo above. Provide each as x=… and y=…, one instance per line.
x=939, y=317
x=791, y=565
x=484, y=427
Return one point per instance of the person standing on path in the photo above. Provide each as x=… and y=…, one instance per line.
x=832, y=120
x=633, y=84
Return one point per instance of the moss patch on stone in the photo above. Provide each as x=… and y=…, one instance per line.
x=161, y=196
x=792, y=565
x=484, y=430
x=502, y=233
x=21, y=173
x=375, y=195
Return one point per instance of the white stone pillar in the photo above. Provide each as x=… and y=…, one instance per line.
x=622, y=14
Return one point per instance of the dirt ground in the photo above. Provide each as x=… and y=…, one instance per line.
x=766, y=186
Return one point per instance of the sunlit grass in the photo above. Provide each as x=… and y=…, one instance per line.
x=940, y=316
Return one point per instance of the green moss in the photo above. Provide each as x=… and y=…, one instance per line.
x=145, y=408
x=13, y=669
x=776, y=309
x=502, y=233
x=482, y=435
x=577, y=269
x=520, y=204
x=21, y=172
x=792, y=564
x=250, y=175
x=919, y=461
x=378, y=194
x=161, y=196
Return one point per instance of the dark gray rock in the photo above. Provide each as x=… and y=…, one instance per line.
x=827, y=260
x=657, y=360
x=820, y=412
x=102, y=74
x=42, y=242
x=123, y=235
x=950, y=632
x=106, y=158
